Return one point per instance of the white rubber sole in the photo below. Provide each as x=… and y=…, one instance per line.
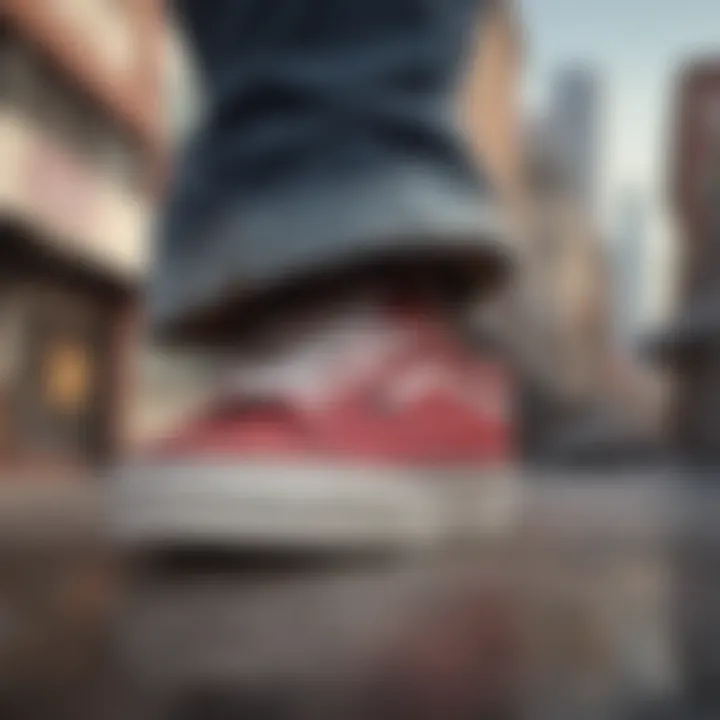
x=274, y=505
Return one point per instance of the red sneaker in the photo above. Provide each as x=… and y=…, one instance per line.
x=340, y=460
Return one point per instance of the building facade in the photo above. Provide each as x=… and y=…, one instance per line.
x=629, y=271
x=692, y=339
x=696, y=175
x=576, y=120
x=82, y=152
x=564, y=301
x=490, y=100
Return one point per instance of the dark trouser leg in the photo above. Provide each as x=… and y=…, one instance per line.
x=329, y=148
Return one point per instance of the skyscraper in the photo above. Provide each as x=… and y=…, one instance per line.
x=576, y=121
x=629, y=268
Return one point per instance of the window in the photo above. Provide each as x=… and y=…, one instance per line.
x=60, y=404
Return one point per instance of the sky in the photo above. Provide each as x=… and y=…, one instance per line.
x=638, y=47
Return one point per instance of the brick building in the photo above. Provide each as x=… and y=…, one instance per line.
x=691, y=340
x=80, y=139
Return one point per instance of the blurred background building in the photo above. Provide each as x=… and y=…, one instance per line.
x=691, y=340
x=555, y=322
x=564, y=342
x=629, y=255
x=583, y=388
x=576, y=120
x=81, y=144
x=490, y=106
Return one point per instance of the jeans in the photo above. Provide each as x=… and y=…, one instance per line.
x=329, y=140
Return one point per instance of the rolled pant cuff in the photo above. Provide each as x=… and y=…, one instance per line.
x=313, y=231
